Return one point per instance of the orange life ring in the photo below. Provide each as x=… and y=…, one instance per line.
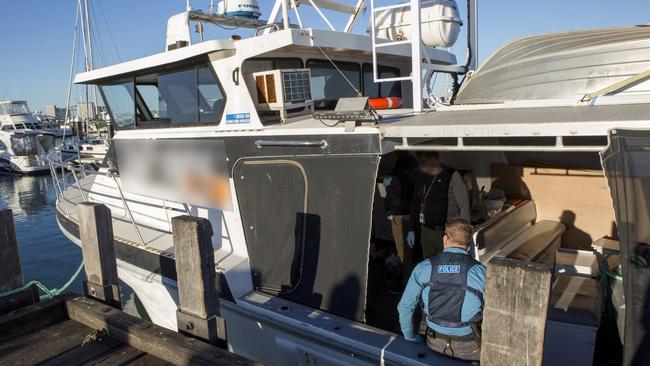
x=385, y=103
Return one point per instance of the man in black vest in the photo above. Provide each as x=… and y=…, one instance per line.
x=440, y=194
x=450, y=287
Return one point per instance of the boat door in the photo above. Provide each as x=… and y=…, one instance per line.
x=626, y=163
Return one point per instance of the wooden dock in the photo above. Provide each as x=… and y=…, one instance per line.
x=72, y=329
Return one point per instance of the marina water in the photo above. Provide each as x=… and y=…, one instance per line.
x=46, y=254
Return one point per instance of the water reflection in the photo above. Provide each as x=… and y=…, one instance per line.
x=46, y=254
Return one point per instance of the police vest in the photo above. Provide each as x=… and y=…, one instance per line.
x=447, y=288
x=436, y=201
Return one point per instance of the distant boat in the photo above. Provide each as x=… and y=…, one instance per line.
x=24, y=146
x=89, y=149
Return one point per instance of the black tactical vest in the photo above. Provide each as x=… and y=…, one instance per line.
x=437, y=201
x=447, y=288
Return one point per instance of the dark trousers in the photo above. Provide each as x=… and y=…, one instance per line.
x=464, y=348
x=431, y=241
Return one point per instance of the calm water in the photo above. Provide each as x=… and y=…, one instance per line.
x=47, y=255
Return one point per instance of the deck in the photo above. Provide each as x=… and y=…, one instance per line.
x=62, y=331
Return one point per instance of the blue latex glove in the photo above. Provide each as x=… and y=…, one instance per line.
x=416, y=339
x=410, y=239
x=387, y=180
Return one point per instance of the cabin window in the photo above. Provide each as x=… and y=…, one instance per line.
x=119, y=99
x=188, y=96
x=381, y=90
x=25, y=145
x=328, y=85
x=263, y=64
x=184, y=97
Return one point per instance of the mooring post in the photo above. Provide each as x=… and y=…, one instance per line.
x=11, y=273
x=514, y=317
x=198, y=314
x=96, y=233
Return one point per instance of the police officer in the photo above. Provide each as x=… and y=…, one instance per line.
x=440, y=194
x=450, y=287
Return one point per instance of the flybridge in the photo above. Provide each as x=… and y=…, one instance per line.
x=418, y=25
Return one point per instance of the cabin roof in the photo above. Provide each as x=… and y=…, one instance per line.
x=289, y=40
x=157, y=60
x=520, y=122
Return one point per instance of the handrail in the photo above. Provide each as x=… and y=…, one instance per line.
x=262, y=143
x=54, y=164
x=126, y=206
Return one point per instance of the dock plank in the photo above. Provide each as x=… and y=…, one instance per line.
x=84, y=353
x=148, y=360
x=31, y=318
x=150, y=338
x=43, y=344
x=121, y=355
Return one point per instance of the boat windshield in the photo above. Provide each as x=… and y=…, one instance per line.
x=185, y=96
x=24, y=145
x=14, y=108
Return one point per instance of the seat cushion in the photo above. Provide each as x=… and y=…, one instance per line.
x=534, y=243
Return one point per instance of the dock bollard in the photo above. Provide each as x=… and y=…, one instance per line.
x=96, y=233
x=198, y=314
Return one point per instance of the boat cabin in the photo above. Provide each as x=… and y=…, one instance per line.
x=301, y=236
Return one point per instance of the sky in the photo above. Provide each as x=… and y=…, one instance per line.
x=37, y=35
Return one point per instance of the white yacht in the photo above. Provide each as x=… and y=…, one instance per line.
x=289, y=160
x=90, y=149
x=23, y=145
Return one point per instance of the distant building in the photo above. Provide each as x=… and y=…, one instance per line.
x=86, y=110
x=52, y=110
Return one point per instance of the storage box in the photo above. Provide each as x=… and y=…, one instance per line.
x=572, y=323
x=573, y=262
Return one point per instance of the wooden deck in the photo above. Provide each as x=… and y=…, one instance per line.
x=92, y=329
x=63, y=331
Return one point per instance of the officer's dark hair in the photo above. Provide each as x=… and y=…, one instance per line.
x=428, y=154
x=459, y=231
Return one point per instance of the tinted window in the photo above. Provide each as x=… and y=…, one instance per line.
x=184, y=97
x=119, y=99
x=381, y=90
x=328, y=85
x=211, y=98
x=263, y=64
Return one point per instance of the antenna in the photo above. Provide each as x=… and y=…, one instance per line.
x=188, y=7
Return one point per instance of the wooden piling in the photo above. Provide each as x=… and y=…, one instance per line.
x=96, y=234
x=11, y=273
x=514, y=317
x=198, y=314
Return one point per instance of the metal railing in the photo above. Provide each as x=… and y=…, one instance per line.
x=65, y=177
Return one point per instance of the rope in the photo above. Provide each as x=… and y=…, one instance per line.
x=604, y=268
x=48, y=293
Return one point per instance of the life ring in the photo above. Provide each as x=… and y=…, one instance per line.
x=385, y=103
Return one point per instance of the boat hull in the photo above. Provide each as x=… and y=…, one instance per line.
x=263, y=327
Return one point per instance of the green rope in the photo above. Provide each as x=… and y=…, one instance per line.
x=604, y=268
x=48, y=294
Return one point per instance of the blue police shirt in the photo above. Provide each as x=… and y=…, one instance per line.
x=414, y=293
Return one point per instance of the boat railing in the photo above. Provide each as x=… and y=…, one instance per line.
x=68, y=174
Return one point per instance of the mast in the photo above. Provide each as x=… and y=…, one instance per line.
x=72, y=64
x=90, y=53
